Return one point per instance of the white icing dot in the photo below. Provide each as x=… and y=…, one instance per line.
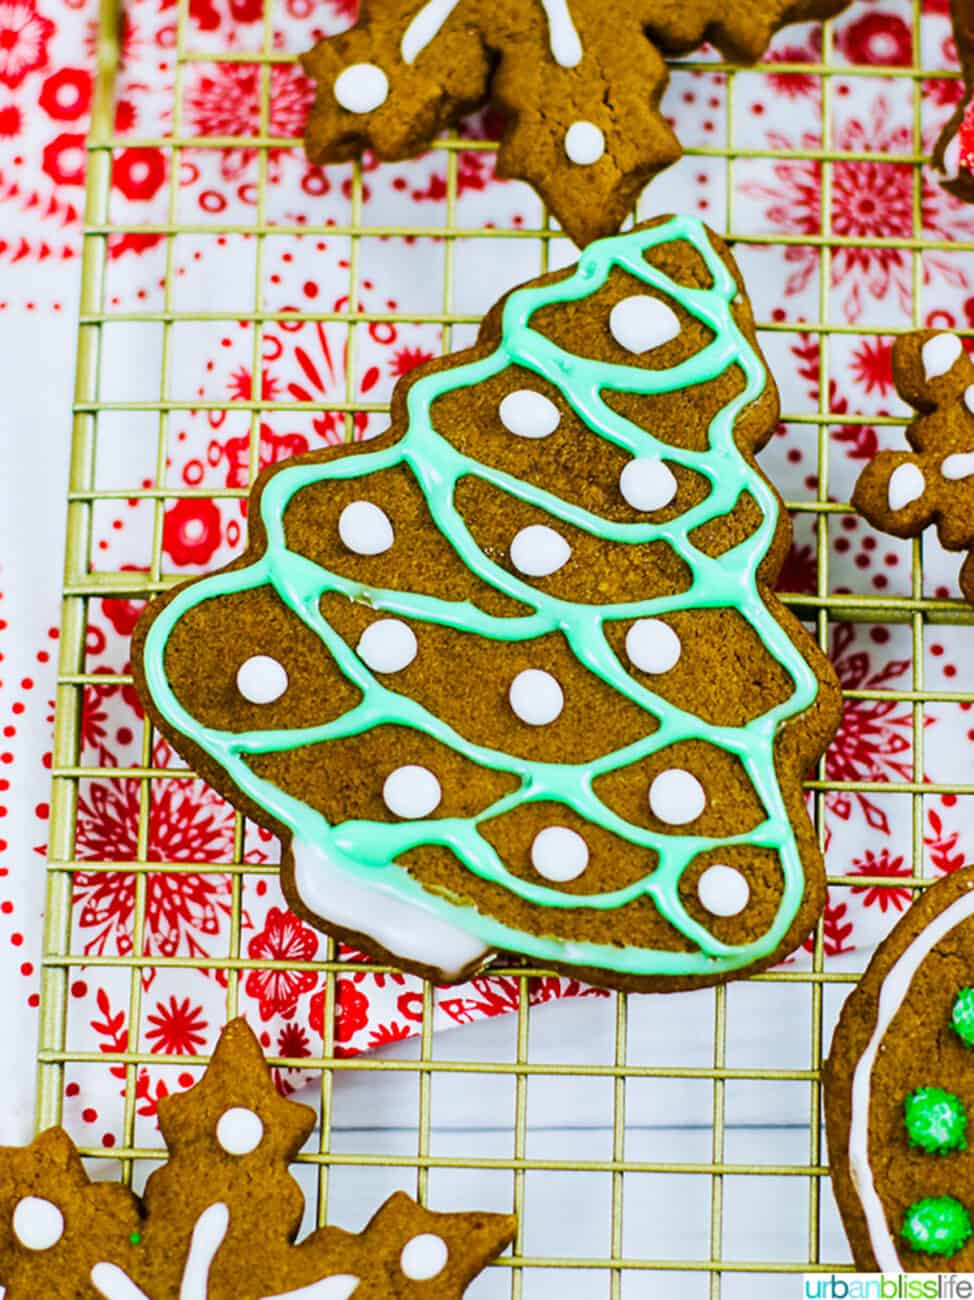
x=641, y=323
x=424, y=1257
x=361, y=88
x=261, y=679
x=723, y=890
x=584, y=143
x=411, y=792
x=38, y=1224
x=365, y=528
x=239, y=1131
x=677, y=797
x=559, y=853
x=529, y=414
x=958, y=465
x=388, y=646
x=536, y=697
x=647, y=483
x=652, y=645
x=939, y=354
x=906, y=484
x=538, y=550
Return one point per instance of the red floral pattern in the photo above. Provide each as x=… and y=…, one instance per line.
x=284, y=938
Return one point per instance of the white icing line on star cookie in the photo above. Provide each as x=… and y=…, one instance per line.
x=405, y=929
x=566, y=48
x=939, y=354
x=906, y=484
x=960, y=464
x=894, y=989
x=338, y=1287
x=425, y=27
x=115, y=1284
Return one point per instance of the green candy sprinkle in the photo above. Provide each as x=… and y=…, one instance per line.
x=936, y=1121
x=937, y=1225
x=135, y=1238
x=962, y=1016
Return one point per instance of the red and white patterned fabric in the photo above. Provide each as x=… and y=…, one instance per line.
x=46, y=49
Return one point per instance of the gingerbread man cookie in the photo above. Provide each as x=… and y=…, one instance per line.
x=579, y=84
x=904, y=492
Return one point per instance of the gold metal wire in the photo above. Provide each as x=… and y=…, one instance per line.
x=82, y=584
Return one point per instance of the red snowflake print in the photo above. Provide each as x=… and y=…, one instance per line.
x=836, y=930
x=382, y=1035
x=66, y=95
x=11, y=122
x=874, y=737
x=869, y=200
x=882, y=864
x=795, y=85
x=192, y=530
x=283, y=938
x=941, y=843
x=321, y=377
x=860, y=440
x=872, y=365
x=226, y=102
x=123, y=613
x=882, y=39
x=799, y=573
x=351, y=1013
x=407, y=359
x=236, y=452
x=24, y=34
x=177, y=1028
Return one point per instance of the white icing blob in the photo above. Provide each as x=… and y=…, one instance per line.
x=340, y=1286
x=239, y=1131
x=536, y=697
x=641, y=323
x=952, y=158
x=906, y=484
x=529, y=414
x=958, y=465
x=388, y=645
x=559, y=853
x=584, y=143
x=365, y=528
x=677, y=797
x=969, y=398
x=538, y=551
x=939, y=354
x=424, y=1257
x=411, y=792
x=405, y=928
x=723, y=890
x=261, y=679
x=647, y=483
x=652, y=645
x=361, y=88
x=38, y=1224
x=115, y=1284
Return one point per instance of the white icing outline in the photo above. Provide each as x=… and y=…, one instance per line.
x=406, y=930
x=566, y=47
x=894, y=989
x=424, y=28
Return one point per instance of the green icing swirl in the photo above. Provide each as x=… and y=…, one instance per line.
x=367, y=850
x=936, y=1121
x=962, y=1016
x=937, y=1225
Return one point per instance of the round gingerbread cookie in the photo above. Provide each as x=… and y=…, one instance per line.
x=899, y=1094
x=512, y=677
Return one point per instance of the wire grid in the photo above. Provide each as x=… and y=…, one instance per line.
x=82, y=584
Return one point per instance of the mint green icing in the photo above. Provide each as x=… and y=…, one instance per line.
x=368, y=850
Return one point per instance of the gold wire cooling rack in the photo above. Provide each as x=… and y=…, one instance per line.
x=619, y=1273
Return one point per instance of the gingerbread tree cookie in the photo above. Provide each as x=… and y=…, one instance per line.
x=219, y=1219
x=904, y=492
x=512, y=676
x=899, y=1092
x=579, y=83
